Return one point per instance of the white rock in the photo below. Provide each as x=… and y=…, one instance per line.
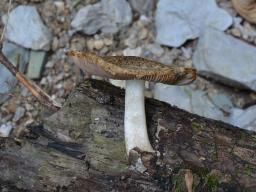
x=19, y=113
x=155, y=49
x=203, y=106
x=5, y=129
x=26, y=28
x=132, y=52
x=245, y=119
x=226, y=59
x=178, y=96
x=186, y=98
x=178, y=21
x=107, y=16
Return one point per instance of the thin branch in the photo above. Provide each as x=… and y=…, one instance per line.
x=43, y=97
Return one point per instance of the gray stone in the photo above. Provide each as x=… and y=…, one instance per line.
x=19, y=113
x=144, y=7
x=178, y=21
x=16, y=55
x=26, y=28
x=226, y=59
x=36, y=62
x=222, y=101
x=202, y=106
x=178, y=96
x=132, y=52
x=186, y=98
x=107, y=16
x=155, y=49
x=5, y=129
x=245, y=119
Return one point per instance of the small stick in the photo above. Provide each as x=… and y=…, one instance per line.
x=43, y=97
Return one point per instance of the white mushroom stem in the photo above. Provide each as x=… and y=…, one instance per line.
x=135, y=127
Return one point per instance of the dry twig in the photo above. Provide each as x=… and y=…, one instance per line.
x=43, y=97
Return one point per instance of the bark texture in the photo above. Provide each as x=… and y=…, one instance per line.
x=81, y=148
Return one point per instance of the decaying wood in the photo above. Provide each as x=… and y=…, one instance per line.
x=81, y=148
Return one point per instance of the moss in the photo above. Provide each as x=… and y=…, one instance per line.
x=215, y=153
x=179, y=183
x=211, y=182
x=249, y=170
x=115, y=149
x=243, y=136
x=254, y=137
x=196, y=127
x=112, y=158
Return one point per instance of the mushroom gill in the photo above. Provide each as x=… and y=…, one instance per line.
x=246, y=8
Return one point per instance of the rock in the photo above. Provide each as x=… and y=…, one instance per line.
x=222, y=101
x=170, y=56
x=187, y=52
x=178, y=96
x=178, y=21
x=143, y=7
x=202, y=106
x=108, y=42
x=186, y=98
x=5, y=129
x=98, y=44
x=143, y=34
x=19, y=113
x=107, y=16
x=245, y=119
x=15, y=54
x=36, y=62
x=155, y=49
x=226, y=59
x=132, y=52
x=26, y=28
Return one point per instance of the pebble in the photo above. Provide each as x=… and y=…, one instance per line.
x=143, y=34
x=5, y=129
x=235, y=32
x=155, y=49
x=98, y=44
x=132, y=52
x=108, y=42
x=19, y=113
x=36, y=63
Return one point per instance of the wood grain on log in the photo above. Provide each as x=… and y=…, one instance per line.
x=81, y=148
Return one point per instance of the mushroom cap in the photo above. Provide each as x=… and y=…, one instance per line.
x=131, y=67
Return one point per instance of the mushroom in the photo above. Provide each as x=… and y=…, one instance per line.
x=135, y=70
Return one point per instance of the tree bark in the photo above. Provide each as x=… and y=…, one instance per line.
x=81, y=148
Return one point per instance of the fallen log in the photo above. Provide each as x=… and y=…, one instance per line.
x=81, y=148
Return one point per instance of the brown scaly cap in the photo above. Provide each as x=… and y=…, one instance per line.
x=130, y=67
